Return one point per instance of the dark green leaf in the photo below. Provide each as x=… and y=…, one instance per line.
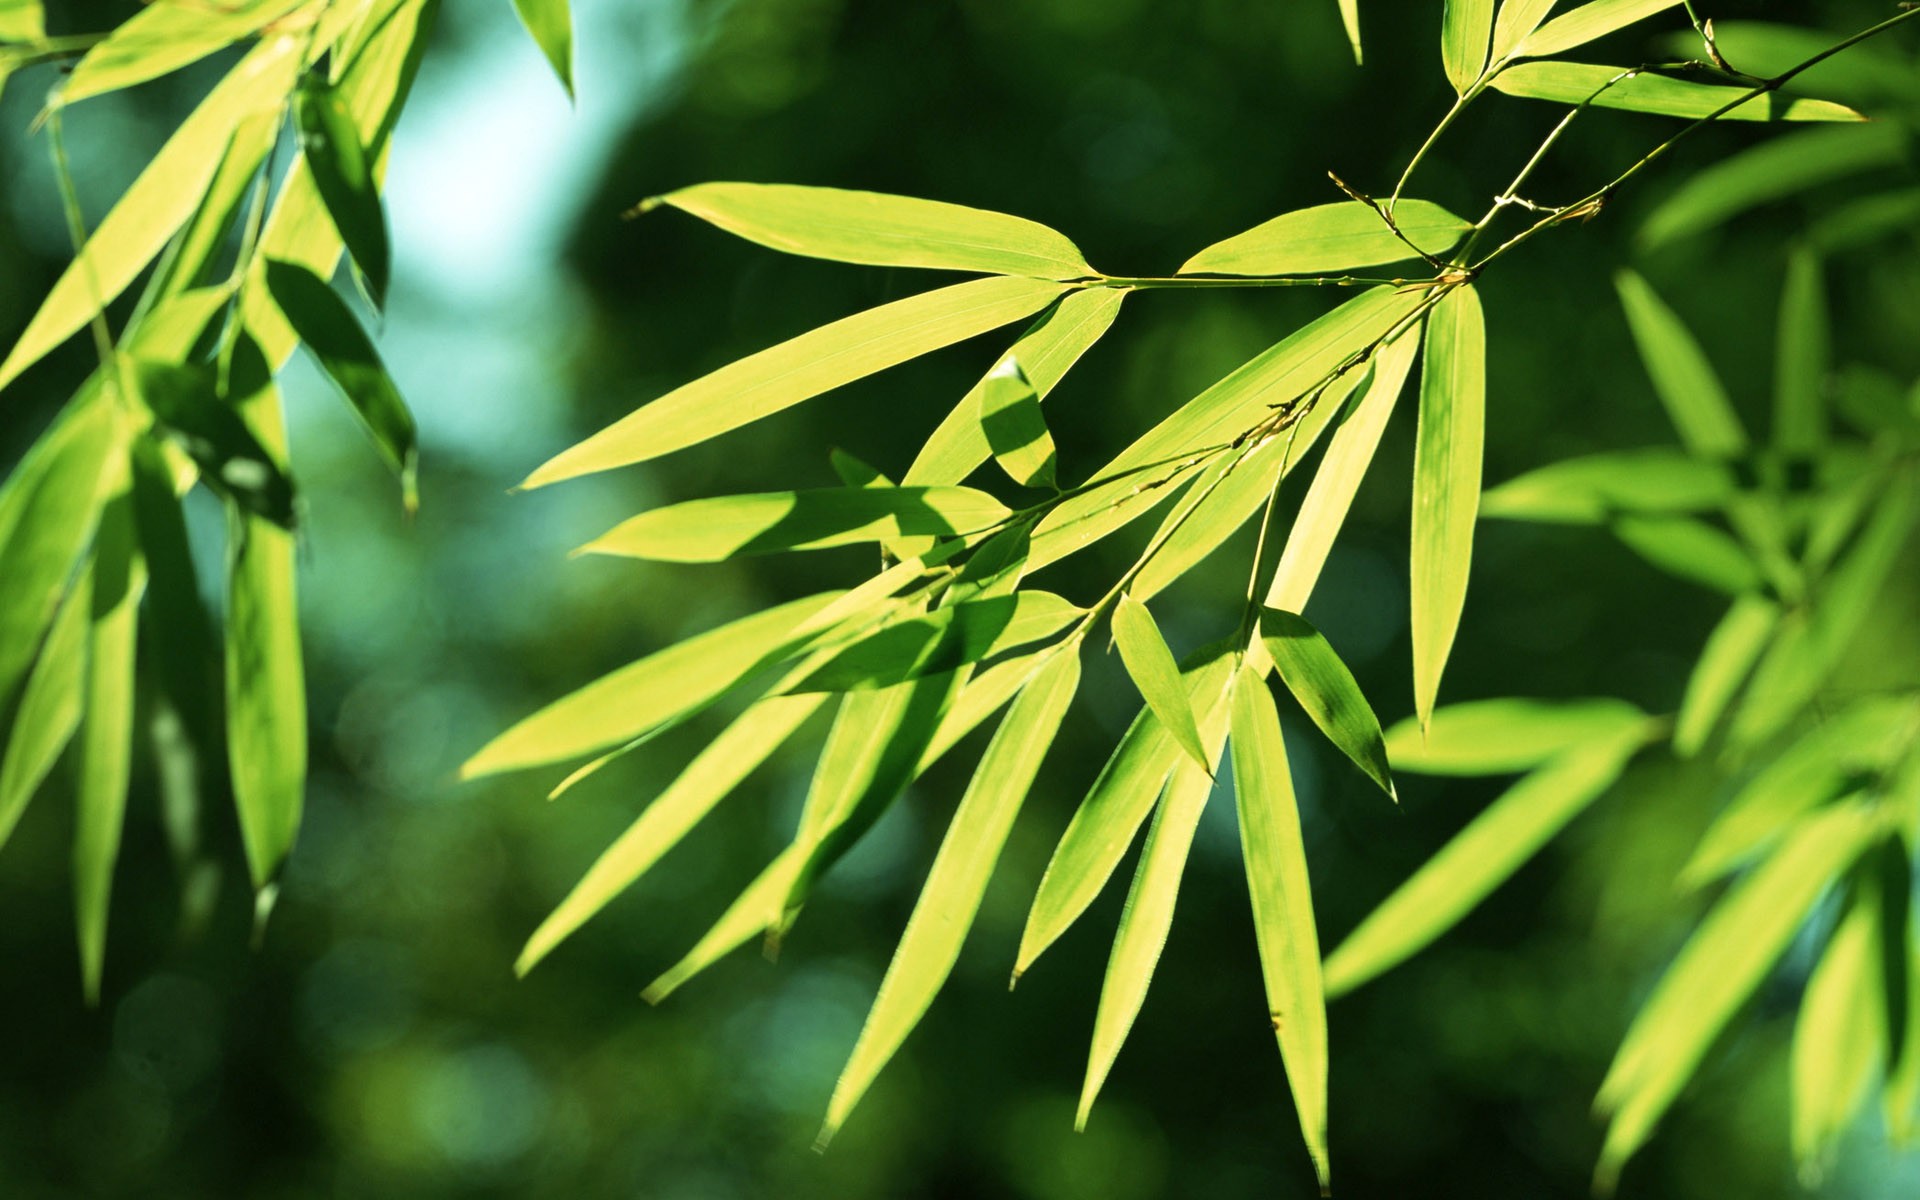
x=342, y=171
x=190, y=412
x=1327, y=691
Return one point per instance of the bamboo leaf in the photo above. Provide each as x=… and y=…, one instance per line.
x=163, y=38
x=960, y=634
x=190, y=413
x=743, y=919
x=1516, y=21
x=1446, y=481
x=1276, y=862
x=1864, y=72
x=1350, y=20
x=958, y=879
x=1661, y=95
x=342, y=172
x=725, y=527
x=50, y=706
x=1691, y=550
x=1725, y=662
x=881, y=230
x=1588, y=22
x=1685, y=381
x=1014, y=427
x=1658, y=481
x=22, y=21
x=1152, y=668
x=1718, y=969
x=1349, y=453
x=1330, y=237
x=1466, y=32
x=798, y=370
x=1768, y=172
x=551, y=24
x=1841, y=1033
x=1802, y=359
x=1327, y=691
x=1483, y=855
x=1500, y=737
x=707, y=780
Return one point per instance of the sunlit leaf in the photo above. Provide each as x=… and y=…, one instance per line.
x=1768, y=172
x=1689, y=549
x=1326, y=691
x=50, y=706
x=724, y=527
x=1842, y=1031
x=1581, y=25
x=1864, y=72
x=1498, y=737
x=959, y=634
x=882, y=230
x=1515, y=22
x=743, y=919
x=1588, y=490
x=1276, y=862
x=1015, y=430
x=1725, y=662
x=1151, y=666
x=162, y=38
x=343, y=174
x=551, y=24
x=1350, y=20
x=1801, y=359
x=1466, y=32
x=1480, y=858
x=1330, y=237
x=1446, y=481
x=1662, y=95
x=22, y=21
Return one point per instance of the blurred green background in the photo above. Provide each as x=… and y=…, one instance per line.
x=375, y=1043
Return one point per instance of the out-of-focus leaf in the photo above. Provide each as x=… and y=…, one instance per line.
x=1327, y=691
x=22, y=21
x=958, y=879
x=743, y=919
x=1901, y=1096
x=794, y=371
x=186, y=657
x=342, y=171
x=1689, y=549
x=645, y=695
x=882, y=230
x=1865, y=219
x=1659, y=480
x=1842, y=1031
x=1349, y=453
x=1466, y=31
x=1592, y=20
x=1498, y=737
x=190, y=412
x=1718, y=969
x=967, y=632
x=1768, y=172
x=1864, y=72
x=157, y=204
x=49, y=709
x=728, y=526
x=1725, y=662
x=161, y=39
x=1801, y=362
x=1446, y=478
x=1662, y=95
x=1330, y=237
x=1685, y=381
x=1276, y=862
x=1152, y=667
x=551, y=24
x=1045, y=352
x=329, y=329
x=1515, y=22
x=707, y=780
x=1015, y=430
x=1480, y=858
x=1108, y=818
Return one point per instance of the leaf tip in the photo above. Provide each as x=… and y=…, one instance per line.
x=643, y=208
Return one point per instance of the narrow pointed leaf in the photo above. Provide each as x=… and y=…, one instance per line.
x=1327, y=691
x=163, y=38
x=1588, y=490
x=1498, y=737
x=22, y=21
x=190, y=412
x=1801, y=363
x=1153, y=670
x=1662, y=95
x=1686, y=382
x=1691, y=550
x=50, y=707
x=1276, y=863
x=1330, y=237
x=882, y=230
x=1515, y=22
x=1725, y=662
x=1466, y=33
x=1350, y=20
x=1014, y=427
x=1581, y=25
x=743, y=920
x=551, y=24
x=725, y=527
x=960, y=634
x=1771, y=171
x=1841, y=1032
x=1446, y=482
x=342, y=171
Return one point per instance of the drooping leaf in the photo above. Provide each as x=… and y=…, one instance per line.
x=1801, y=359
x=1152, y=667
x=50, y=706
x=162, y=38
x=1330, y=237
x=1689, y=549
x=551, y=24
x=794, y=371
x=725, y=527
x=959, y=634
x=190, y=412
x=1499, y=737
x=1327, y=691
x=1842, y=1031
x=1725, y=662
x=342, y=171
x=1662, y=95
x=1480, y=858
x=1446, y=481
x=1685, y=381
x=958, y=879
x=1515, y=22
x=1768, y=172
x=1276, y=862
x=1657, y=481
x=882, y=230
x=1466, y=33
x=1595, y=19
x=1014, y=427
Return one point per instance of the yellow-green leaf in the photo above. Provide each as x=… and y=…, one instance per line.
x=1690, y=549
x=1446, y=482
x=1725, y=662
x=1592, y=488
x=1466, y=31
x=1516, y=22
x=1592, y=20
x=1685, y=381
x=1662, y=95
x=1498, y=737
x=957, y=635
x=1327, y=691
x=163, y=38
x=728, y=526
x=1842, y=1031
x=551, y=24
x=1151, y=666
x=49, y=709
x=1770, y=171
x=1330, y=237
x=1014, y=427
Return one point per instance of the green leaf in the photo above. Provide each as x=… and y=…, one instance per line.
x=1466, y=32
x=798, y=370
x=22, y=21
x=1276, y=861
x=1446, y=481
x=1045, y=353
x=707, y=780
x=1153, y=670
x=342, y=171
x=1327, y=691
x=551, y=24
x=1587, y=22
x=1480, y=858
x=191, y=261
x=158, y=203
x=1842, y=1031
x=1864, y=72
x=1014, y=427
x=1499, y=737
x=1768, y=172
x=162, y=38
x=1350, y=20
x=1691, y=550
x=1516, y=21
x=190, y=413
x=1685, y=381
x=1662, y=95
x=646, y=695
x=725, y=527
x=1802, y=359
x=1108, y=818
x=1349, y=453
x=951, y=896
x=1901, y=1096
x=50, y=707
x=743, y=919
x=329, y=329
x=882, y=230
x=1330, y=237
x=969, y=631
x=1725, y=662
x=1591, y=489
x=1729, y=954
x=106, y=729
